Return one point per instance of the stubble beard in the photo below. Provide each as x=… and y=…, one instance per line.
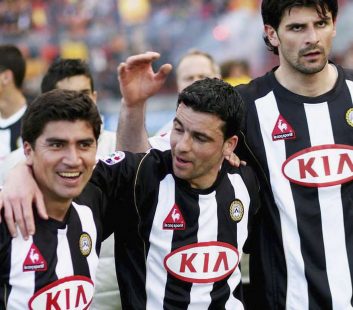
x=304, y=68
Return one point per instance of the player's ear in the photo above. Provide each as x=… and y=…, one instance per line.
x=94, y=96
x=272, y=36
x=28, y=151
x=229, y=145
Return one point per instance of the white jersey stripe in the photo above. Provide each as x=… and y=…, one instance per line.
x=5, y=137
x=297, y=288
x=20, y=281
x=243, y=195
x=208, y=227
x=242, y=233
x=159, y=247
x=87, y=221
x=350, y=87
x=331, y=212
x=63, y=268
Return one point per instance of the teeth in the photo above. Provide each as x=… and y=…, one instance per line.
x=69, y=174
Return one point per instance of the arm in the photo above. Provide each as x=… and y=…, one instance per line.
x=19, y=193
x=137, y=82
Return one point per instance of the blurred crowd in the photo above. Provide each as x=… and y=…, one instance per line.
x=106, y=32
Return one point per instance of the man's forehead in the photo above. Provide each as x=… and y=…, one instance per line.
x=194, y=61
x=76, y=82
x=65, y=129
x=197, y=119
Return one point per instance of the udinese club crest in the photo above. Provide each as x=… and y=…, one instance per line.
x=85, y=244
x=236, y=210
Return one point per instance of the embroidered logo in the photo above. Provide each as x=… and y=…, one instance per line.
x=282, y=130
x=114, y=158
x=34, y=260
x=174, y=220
x=85, y=244
x=236, y=210
x=349, y=117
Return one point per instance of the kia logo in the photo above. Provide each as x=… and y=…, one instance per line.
x=203, y=262
x=74, y=292
x=320, y=166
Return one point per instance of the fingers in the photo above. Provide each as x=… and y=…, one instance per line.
x=39, y=202
x=141, y=59
x=10, y=217
x=164, y=71
x=233, y=160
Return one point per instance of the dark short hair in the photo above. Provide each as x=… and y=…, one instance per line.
x=219, y=98
x=65, y=68
x=12, y=59
x=59, y=105
x=272, y=12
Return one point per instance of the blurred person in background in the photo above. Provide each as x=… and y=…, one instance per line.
x=236, y=72
x=74, y=74
x=12, y=100
x=193, y=66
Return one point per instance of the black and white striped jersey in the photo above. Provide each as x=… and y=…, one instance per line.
x=55, y=268
x=304, y=147
x=177, y=247
x=10, y=133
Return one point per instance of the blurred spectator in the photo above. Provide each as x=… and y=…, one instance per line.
x=236, y=72
x=12, y=100
x=193, y=66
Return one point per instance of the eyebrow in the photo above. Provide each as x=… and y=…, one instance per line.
x=194, y=133
x=87, y=140
x=324, y=18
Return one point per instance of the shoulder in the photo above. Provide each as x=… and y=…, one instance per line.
x=348, y=73
x=256, y=88
x=90, y=196
x=247, y=174
x=158, y=162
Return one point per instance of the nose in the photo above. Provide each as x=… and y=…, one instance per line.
x=72, y=157
x=312, y=35
x=184, y=143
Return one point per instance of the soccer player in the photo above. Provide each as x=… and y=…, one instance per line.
x=74, y=74
x=182, y=216
x=55, y=268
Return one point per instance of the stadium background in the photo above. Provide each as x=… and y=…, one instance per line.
x=106, y=32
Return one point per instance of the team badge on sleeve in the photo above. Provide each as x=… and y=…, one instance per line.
x=113, y=158
x=236, y=210
x=85, y=244
x=349, y=117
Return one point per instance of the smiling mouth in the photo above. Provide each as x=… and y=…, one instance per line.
x=69, y=175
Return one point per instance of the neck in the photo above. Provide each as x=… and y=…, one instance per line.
x=207, y=180
x=10, y=103
x=309, y=85
x=57, y=209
